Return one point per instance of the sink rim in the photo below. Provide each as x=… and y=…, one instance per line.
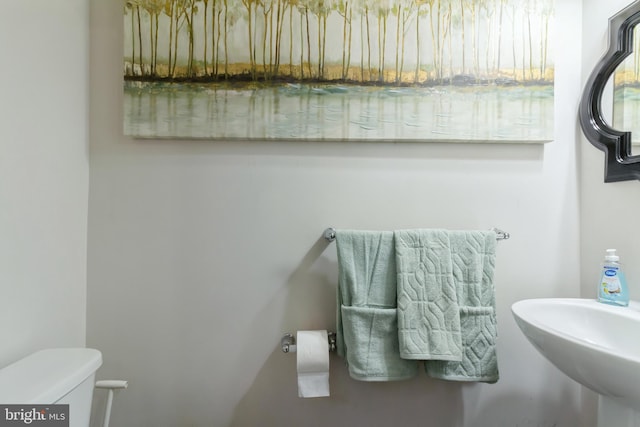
x=632, y=312
x=573, y=352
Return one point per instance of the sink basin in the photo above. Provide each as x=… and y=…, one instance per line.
x=595, y=344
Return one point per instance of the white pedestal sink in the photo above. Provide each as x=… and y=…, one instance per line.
x=597, y=345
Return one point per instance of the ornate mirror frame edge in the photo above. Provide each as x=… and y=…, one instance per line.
x=620, y=164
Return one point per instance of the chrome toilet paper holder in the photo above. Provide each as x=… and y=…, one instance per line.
x=288, y=342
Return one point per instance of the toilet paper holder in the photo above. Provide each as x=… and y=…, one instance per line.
x=288, y=342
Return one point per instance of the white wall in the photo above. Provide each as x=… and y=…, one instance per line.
x=44, y=175
x=202, y=254
x=609, y=211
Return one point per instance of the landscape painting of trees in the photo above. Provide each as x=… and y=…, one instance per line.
x=387, y=70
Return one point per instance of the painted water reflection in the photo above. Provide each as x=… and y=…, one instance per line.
x=339, y=112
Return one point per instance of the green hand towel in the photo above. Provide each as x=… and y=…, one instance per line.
x=428, y=312
x=367, y=334
x=473, y=262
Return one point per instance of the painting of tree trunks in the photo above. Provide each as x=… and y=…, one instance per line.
x=387, y=70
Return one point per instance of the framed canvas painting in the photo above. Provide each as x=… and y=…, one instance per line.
x=363, y=70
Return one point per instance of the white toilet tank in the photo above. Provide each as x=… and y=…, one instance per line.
x=53, y=376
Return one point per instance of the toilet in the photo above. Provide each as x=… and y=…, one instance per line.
x=53, y=376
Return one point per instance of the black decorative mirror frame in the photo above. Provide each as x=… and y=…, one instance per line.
x=620, y=165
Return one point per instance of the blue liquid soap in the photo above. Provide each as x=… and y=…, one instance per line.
x=613, y=288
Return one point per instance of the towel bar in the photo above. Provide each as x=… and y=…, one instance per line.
x=330, y=234
x=288, y=342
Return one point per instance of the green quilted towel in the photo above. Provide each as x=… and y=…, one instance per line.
x=428, y=312
x=367, y=331
x=473, y=264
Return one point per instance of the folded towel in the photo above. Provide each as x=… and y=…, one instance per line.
x=428, y=312
x=473, y=261
x=367, y=334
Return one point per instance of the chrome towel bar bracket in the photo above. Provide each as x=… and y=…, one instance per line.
x=330, y=234
x=500, y=235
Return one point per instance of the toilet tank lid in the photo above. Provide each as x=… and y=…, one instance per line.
x=47, y=375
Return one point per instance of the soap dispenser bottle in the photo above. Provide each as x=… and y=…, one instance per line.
x=612, y=288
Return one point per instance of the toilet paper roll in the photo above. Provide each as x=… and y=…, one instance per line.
x=313, y=363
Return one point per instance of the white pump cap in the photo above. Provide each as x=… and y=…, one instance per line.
x=611, y=255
